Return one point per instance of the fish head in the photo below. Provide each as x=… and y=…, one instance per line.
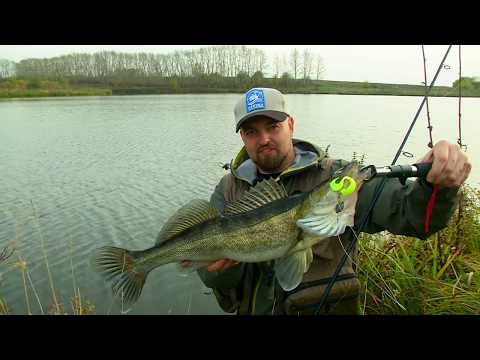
x=348, y=179
x=353, y=170
x=331, y=207
x=345, y=183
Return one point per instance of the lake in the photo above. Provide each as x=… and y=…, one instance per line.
x=80, y=173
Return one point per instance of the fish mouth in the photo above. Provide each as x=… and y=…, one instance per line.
x=353, y=170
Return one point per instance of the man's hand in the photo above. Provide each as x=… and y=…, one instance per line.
x=223, y=264
x=450, y=165
x=218, y=265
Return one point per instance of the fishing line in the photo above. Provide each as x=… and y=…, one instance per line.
x=429, y=127
x=377, y=193
x=459, y=141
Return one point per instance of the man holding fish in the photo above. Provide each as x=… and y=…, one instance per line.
x=274, y=231
x=271, y=152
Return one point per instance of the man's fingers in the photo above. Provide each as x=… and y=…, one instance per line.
x=222, y=265
x=450, y=166
x=453, y=167
x=217, y=265
x=440, y=159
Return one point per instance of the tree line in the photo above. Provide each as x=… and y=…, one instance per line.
x=467, y=83
x=7, y=69
x=215, y=61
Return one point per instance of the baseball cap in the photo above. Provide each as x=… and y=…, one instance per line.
x=260, y=101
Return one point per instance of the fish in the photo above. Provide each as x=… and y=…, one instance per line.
x=264, y=224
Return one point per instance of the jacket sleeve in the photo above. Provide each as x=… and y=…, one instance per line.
x=224, y=283
x=401, y=209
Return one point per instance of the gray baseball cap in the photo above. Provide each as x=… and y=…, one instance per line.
x=260, y=101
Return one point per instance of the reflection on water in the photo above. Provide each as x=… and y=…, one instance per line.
x=79, y=173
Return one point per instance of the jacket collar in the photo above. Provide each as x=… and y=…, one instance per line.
x=306, y=155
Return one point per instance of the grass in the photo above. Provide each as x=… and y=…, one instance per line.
x=54, y=93
x=441, y=275
x=47, y=88
x=79, y=305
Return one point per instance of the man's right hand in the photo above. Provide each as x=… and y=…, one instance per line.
x=221, y=265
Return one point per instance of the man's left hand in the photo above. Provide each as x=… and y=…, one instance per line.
x=450, y=165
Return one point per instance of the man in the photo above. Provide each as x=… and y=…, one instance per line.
x=270, y=150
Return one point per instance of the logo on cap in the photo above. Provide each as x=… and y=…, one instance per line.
x=255, y=100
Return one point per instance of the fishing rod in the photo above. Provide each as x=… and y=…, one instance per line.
x=401, y=172
x=377, y=193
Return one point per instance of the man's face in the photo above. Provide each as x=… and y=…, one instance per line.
x=268, y=142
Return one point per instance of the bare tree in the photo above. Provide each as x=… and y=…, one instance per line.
x=295, y=62
x=261, y=59
x=7, y=68
x=319, y=66
x=307, y=64
x=276, y=66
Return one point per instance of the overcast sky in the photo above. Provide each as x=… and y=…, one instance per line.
x=374, y=63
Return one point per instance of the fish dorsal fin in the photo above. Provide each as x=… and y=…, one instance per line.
x=264, y=192
x=195, y=212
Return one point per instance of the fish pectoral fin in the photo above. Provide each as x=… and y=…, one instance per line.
x=289, y=270
x=324, y=226
x=190, y=267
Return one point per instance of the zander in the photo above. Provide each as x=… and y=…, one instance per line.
x=264, y=224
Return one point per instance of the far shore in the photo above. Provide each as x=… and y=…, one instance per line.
x=12, y=89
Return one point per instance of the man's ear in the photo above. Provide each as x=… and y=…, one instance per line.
x=291, y=123
x=242, y=135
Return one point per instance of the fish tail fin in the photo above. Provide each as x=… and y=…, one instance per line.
x=118, y=266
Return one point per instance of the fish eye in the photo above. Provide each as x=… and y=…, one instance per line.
x=338, y=173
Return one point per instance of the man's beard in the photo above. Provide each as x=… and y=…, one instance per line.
x=270, y=164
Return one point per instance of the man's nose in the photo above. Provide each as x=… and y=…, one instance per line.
x=264, y=138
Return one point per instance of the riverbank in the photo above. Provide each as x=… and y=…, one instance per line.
x=44, y=88
x=54, y=93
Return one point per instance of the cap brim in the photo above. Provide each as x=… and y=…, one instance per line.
x=272, y=114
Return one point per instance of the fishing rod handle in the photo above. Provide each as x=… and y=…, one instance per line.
x=404, y=171
x=422, y=169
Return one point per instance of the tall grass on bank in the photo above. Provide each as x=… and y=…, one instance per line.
x=440, y=275
x=54, y=93
x=80, y=306
x=48, y=88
